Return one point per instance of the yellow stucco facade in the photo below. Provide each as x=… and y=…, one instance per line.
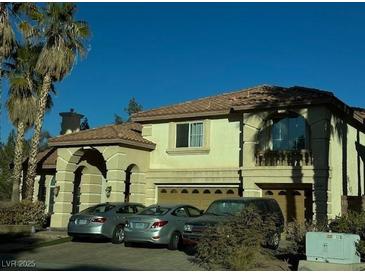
x=226, y=158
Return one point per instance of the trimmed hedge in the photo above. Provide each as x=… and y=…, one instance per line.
x=23, y=213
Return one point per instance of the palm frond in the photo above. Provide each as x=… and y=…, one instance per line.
x=7, y=36
x=64, y=40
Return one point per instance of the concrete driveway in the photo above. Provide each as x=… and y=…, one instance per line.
x=99, y=256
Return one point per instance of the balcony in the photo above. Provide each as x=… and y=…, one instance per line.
x=284, y=158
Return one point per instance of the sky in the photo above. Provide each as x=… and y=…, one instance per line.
x=165, y=53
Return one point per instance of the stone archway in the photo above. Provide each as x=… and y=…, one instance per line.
x=80, y=176
x=128, y=181
x=76, y=192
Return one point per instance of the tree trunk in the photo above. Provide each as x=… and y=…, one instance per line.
x=1, y=92
x=32, y=162
x=18, y=160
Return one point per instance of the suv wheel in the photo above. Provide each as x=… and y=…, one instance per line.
x=274, y=241
x=118, y=235
x=175, y=241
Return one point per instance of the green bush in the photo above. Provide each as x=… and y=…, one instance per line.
x=236, y=244
x=352, y=222
x=295, y=234
x=23, y=213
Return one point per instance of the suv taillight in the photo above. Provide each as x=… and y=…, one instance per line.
x=99, y=220
x=159, y=224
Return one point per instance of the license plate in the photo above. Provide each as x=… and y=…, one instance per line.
x=81, y=222
x=139, y=225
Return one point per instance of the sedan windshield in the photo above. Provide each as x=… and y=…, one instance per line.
x=224, y=208
x=155, y=211
x=98, y=209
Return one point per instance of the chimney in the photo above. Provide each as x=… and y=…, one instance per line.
x=70, y=121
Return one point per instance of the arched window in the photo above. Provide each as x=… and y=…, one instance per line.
x=195, y=191
x=184, y=191
x=218, y=191
x=163, y=191
x=230, y=191
x=269, y=193
x=206, y=191
x=289, y=133
x=296, y=193
x=173, y=191
x=282, y=192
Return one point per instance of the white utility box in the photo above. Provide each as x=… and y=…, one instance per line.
x=332, y=247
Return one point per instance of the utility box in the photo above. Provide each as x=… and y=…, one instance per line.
x=332, y=247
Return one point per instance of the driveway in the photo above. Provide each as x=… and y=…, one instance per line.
x=99, y=256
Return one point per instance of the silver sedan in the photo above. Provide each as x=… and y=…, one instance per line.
x=103, y=220
x=160, y=224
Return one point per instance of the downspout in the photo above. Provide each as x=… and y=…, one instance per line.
x=359, y=190
x=240, y=172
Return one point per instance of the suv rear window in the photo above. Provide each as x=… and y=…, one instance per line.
x=223, y=208
x=98, y=209
x=155, y=211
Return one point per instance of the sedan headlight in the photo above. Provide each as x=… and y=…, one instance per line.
x=188, y=228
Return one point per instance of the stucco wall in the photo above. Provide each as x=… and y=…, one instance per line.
x=223, y=147
x=318, y=119
x=47, y=182
x=344, y=162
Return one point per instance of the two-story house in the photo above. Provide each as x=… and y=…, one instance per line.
x=301, y=146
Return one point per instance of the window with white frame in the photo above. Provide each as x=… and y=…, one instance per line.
x=189, y=134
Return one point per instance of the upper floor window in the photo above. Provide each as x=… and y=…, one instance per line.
x=288, y=133
x=189, y=134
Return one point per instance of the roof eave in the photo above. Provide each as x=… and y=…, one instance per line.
x=282, y=105
x=103, y=142
x=180, y=115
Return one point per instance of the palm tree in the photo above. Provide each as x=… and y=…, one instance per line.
x=21, y=106
x=25, y=85
x=63, y=41
x=7, y=43
x=21, y=103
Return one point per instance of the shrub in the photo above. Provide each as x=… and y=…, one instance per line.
x=352, y=222
x=295, y=234
x=23, y=213
x=235, y=244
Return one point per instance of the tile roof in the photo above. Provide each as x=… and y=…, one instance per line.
x=127, y=133
x=263, y=96
x=47, y=158
x=360, y=111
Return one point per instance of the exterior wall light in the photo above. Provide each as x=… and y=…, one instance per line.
x=108, y=190
x=56, y=190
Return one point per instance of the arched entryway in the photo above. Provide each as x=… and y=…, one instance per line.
x=89, y=175
x=128, y=181
x=76, y=193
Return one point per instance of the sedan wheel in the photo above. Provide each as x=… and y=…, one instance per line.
x=274, y=241
x=175, y=241
x=118, y=235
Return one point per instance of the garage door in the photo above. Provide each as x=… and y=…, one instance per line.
x=199, y=197
x=296, y=204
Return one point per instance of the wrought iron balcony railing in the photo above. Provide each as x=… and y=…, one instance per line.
x=284, y=158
